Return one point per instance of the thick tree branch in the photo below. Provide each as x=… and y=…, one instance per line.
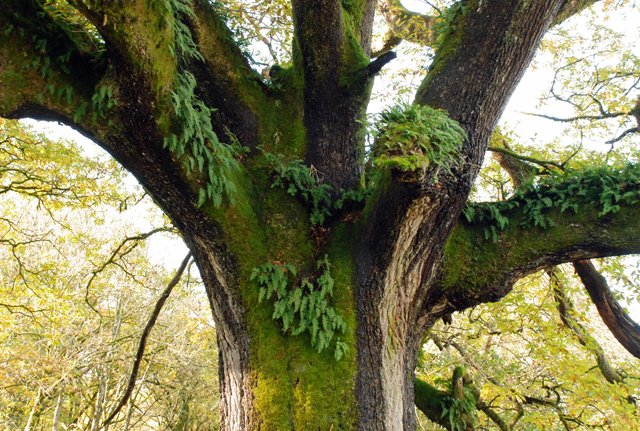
x=337, y=82
x=430, y=401
x=145, y=335
x=44, y=72
x=376, y=66
x=626, y=331
x=405, y=25
x=480, y=267
x=570, y=8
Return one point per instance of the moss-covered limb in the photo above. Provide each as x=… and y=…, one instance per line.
x=454, y=410
x=44, y=72
x=164, y=40
x=431, y=401
x=480, y=267
x=626, y=331
x=570, y=8
x=570, y=321
x=487, y=45
x=473, y=389
x=226, y=82
x=141, y=34
x=406, y=25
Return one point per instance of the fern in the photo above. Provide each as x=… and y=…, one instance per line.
x=296, y=178
x=305, y=307
x=604, y=188
x=196, y=140
x=412, y=137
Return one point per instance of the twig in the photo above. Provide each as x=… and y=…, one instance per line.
x=579, y=117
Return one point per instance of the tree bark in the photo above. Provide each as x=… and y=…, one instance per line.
x=626, y=331
x=396, y=266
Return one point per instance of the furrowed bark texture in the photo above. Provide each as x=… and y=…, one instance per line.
x=472, y=77
x=626, y=331
x=334, y=64
x=393, y=275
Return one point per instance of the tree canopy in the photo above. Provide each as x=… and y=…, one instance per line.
x=330, y=244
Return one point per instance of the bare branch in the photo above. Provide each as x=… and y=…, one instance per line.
x=623, y=135
x=567, y=314
x=544, y=163
x=112, y=259
x=605, y=115
x=375, y=66
x=145, y=335
x=626, y=331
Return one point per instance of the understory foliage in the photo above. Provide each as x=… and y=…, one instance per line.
x=76, y=289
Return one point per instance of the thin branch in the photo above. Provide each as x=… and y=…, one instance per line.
x=145, y=335
x=113, y=256
x=623, y=135
x=579, y=117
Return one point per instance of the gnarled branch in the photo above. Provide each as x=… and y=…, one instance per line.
x=567, y=315
x=626, y=331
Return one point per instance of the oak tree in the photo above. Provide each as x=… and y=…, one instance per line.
x=324, y=265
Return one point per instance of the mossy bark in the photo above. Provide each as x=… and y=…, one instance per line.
x=396, y=265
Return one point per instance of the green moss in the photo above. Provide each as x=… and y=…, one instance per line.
x=429, y=399
x=473, y=260
x=295, y=387
x=354, y=61
x=447, y=46
x=406, y=163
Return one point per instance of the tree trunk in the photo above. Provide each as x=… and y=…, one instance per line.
x=56, y=414
x=33, y=415
x=399, y=261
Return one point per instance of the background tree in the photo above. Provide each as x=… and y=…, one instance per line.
x=76, y=291
x=305, y=257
